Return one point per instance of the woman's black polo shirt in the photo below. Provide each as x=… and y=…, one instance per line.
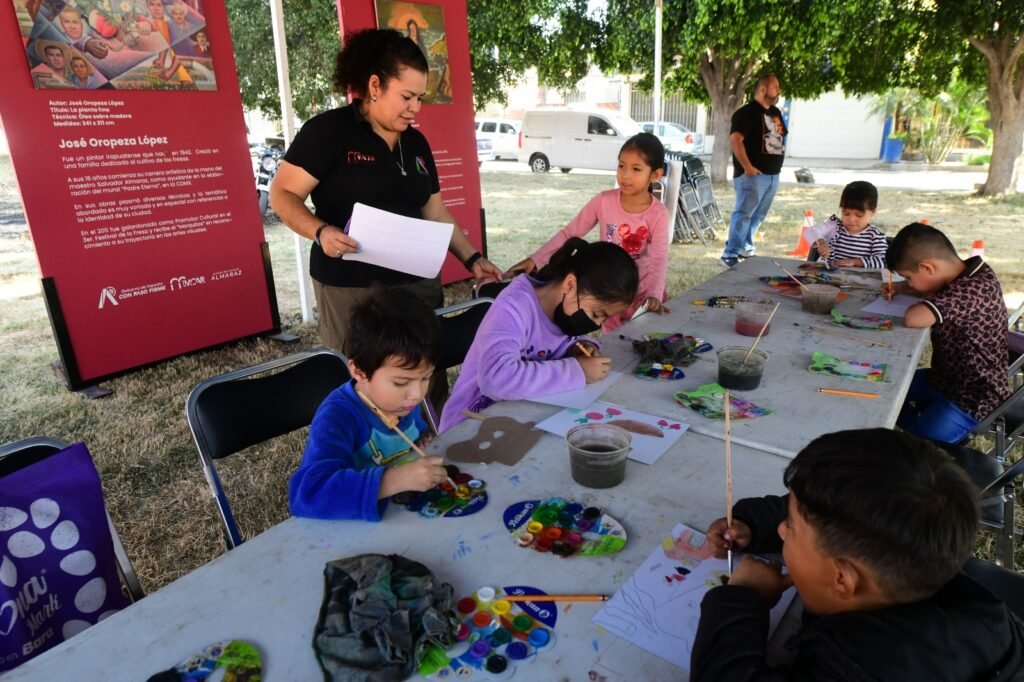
x=354, y=164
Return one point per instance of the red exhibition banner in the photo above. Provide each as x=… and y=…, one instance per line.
x=125, y=126
x=441, y=29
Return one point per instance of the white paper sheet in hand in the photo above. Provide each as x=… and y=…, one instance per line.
x=658, y=607
x=651, y=436
x=581, y=397
x=410, y=245
x=894, y=308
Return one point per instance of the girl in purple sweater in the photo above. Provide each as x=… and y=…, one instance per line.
x=630, y=217
x=526, y=344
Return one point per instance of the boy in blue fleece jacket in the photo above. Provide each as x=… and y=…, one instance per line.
x=353, y=461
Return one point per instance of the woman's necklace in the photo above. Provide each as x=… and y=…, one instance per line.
x=401, y=157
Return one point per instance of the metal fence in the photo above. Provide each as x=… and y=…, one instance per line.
x=673, y=108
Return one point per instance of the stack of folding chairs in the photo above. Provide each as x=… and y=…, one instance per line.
x=698, y=212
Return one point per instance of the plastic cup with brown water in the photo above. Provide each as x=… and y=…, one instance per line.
x=819, y=299
x=597, y=454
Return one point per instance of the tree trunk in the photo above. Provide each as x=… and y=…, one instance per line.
x=1005, y=92
x=725, y=80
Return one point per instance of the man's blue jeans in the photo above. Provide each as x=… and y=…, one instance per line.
x=928, y=413
x=754, y=196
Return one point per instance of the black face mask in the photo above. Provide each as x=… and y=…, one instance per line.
x=577, y=324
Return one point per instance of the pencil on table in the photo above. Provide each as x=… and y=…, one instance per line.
x=556, y=597
x=854, y=394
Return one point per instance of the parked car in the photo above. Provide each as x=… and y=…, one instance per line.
x=484, y=151
x=676, y=137
x=574, y=138
x=503, y=134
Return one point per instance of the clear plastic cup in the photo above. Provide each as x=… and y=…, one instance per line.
x=597, y=454
x=750, y=317
x=737, y=375
x=819, y=299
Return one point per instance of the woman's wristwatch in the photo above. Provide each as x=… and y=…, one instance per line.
x=471, y=261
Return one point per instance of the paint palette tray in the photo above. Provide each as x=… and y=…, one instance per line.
x=495, y=636
x=667, y=348
x=564, y=528
x=466, y=498
x=657, y=370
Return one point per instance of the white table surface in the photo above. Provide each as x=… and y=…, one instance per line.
x=800, y=413
x=269, y=589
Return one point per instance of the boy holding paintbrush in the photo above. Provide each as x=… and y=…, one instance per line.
x=360, y=451
x=874, y=531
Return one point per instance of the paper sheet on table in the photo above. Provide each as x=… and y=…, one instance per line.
x=895, y=308
x=581, y=397
x=651, y=436
x=658, y=607
x=410, y=245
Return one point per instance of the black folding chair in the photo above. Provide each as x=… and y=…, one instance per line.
x=24, y=453
x=1006, y=585
x=233, y=411
x=459, y=323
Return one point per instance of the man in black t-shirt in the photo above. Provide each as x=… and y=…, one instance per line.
x=758, y=138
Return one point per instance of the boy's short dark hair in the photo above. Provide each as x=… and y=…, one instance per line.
x=395, y=323
x=894, y=501
x=915, y=243
x=859, y=196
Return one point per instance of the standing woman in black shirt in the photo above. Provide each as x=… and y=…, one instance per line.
x=366, y=152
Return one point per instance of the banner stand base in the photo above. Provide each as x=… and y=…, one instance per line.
x=91, y=392
x=283, y=337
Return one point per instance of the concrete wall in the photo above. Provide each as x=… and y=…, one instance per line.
x=833, y=126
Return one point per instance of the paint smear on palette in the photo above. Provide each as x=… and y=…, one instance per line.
x=495, y=636
x=564, y=528
x=872, y=322
x=709, y=400
x=847, y=369
x=466, y=498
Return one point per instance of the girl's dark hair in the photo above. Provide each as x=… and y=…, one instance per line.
x=859, y=196
x=603, y=270
x=649, y=147
x=375, y=52
x=891, y=500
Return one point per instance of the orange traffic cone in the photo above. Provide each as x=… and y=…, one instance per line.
x=802, y=245
x=924, y=221
x=978, y=248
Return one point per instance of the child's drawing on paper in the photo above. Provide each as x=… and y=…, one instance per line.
x=658, y=611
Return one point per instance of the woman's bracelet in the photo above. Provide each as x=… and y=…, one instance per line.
x=318, y=231
x=469, y=262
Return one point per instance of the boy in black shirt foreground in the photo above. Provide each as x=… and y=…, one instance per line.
x=873, y=533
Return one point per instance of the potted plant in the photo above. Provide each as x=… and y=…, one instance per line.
x=893, y=151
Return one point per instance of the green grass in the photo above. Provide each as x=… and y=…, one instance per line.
x=139, y=439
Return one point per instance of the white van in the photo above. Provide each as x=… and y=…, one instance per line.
x=574, y=138
x=503, y=134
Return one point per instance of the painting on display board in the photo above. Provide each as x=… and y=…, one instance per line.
x=116, y=44
x=423, y=23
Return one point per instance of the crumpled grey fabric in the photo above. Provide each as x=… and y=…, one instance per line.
x=379, y=616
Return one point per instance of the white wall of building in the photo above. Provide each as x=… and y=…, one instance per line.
x=833, y=126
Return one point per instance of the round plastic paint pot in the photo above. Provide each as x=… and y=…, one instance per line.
x=430, y=511
x=462, y=479
x=592, y=513
x=553, y=533
x=496, y=664
x=574, y=508
x=501, y=607
x=522, y=623
x=451, y=470
x=445, y=503
x=462, y=634
x=535, y=527
x=542, y=545
x=583, y=525
x=574, y=539
x=462, y=491
x=565, y=519
x=540, y=637
x=524, y=539
x=479, y=649
x=546, y=516
x=466, y=605
x=517, y=651
x=485, y=594
x=432, y=495
x=475, y=485
x=500, y=637
x=562, y=549
x=482, y=619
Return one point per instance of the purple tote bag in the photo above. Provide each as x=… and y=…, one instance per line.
x=58, y=574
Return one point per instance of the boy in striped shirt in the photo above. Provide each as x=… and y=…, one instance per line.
x=850, y=240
